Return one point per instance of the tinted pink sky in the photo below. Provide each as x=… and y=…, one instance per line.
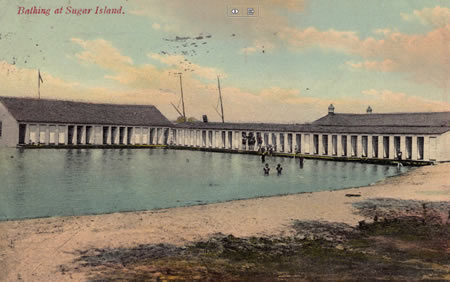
x=286, y=65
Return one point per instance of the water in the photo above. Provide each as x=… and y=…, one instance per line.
x=47, y=182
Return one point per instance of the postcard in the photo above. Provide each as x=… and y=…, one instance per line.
x=224, y=140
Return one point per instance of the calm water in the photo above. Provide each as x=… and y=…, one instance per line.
x=40, y=183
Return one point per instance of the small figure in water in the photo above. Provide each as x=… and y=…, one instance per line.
x=263, y=157
x=279, y=169
x=301, y=161
x=266, y=169
x=399, y=158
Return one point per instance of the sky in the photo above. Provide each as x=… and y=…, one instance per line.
x=286, y=63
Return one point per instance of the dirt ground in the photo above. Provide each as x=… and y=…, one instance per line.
x=68, y=248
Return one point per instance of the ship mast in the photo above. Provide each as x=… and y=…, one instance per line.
x=182, y=98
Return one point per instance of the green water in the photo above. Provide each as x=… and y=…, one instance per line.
x=50, y=182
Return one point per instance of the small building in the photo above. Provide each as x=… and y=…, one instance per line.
x=27, y=121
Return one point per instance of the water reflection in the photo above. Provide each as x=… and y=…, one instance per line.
x=36, y=183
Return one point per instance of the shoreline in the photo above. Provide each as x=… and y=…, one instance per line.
x=34, y=249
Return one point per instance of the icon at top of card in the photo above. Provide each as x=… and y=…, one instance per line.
x=242, y=11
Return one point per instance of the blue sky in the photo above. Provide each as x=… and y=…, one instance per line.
x=286, y=65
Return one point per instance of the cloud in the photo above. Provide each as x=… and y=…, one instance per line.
x=388, y=101
x=123, y=70
x=386, y=65
x=102, y=53
x=208, y=16
x=383, y=31
x=258, y=46
x=312, y=37
x=289, y=96
x=293, y=5
x=154, y=83
x=23, y=82
x=269, y=105
x=436, y=17
x=249, y=50
x=179, y=63
x=273, y=104
x=423, y=57
x=156, y=26
x=19, y=81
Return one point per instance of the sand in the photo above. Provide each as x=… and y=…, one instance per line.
x=35, y=249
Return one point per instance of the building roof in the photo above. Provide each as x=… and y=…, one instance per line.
x=388, y=123
x=344, y=124
x=58, y=111
x=388, y=119
x=239, y=126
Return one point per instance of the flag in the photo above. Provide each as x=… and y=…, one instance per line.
x=40, y=77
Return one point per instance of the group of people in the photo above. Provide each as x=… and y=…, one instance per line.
x=279, y=169
x=268, y=152
x=267, y=169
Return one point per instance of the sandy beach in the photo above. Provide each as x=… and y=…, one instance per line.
x=35, y=249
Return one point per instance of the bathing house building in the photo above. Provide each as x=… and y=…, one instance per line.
x=25, y=121
x=423, y=137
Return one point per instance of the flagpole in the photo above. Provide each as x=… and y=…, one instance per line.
x=39, y=84
x=182, y=98
x=220, y=96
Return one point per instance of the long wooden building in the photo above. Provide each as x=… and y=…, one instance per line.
x=54, y=122
x=422, y=137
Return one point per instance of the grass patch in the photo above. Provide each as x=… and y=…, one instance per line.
x=401, y=249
